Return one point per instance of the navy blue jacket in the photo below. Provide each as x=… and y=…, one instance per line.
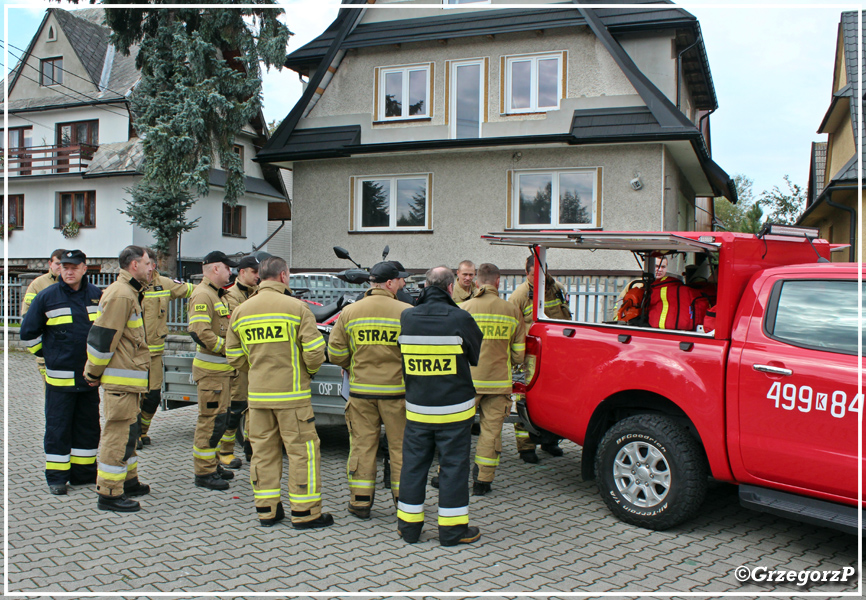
x=439, y=341
x=56, y=328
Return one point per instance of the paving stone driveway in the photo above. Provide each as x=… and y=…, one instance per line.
x=543, y=530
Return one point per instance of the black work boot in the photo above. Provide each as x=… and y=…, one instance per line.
x=57, y=490
x=480, y=488
x=134, y=487
x=472, y=534
x=278, y=516
x=529, y=456
x=224, y=473
x=324, y=520
x=117, y=503
x=434, y=481
x=211, y=481
x=362, y=512
x=552, y=449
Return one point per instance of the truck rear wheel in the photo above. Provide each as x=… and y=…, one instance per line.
x=651, y=472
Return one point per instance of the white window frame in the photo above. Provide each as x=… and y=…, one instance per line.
x=533, y=81
x=452, y=86
x=449, y=4
x=392, y=207
x=404, y=70
x=595, y=222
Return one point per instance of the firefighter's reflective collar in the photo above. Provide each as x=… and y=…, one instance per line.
x=220, y=292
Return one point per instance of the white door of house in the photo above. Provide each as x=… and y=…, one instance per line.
x=467, y=94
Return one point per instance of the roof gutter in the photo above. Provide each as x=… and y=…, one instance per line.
x=680, y=67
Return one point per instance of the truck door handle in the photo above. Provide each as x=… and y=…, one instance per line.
x=772, y=370
x=568, y=332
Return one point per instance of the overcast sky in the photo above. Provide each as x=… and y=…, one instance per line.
x=772, y=68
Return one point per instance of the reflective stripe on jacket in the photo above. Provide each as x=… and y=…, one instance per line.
x=504, y=332
x=276, y=336
x=157, y=296
x=42, y=282
x=555, y=304
x=364, y=342
x=208, y=326
x=439, y=342
x=117, y=351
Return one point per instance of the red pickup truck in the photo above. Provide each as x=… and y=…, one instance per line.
x=769, y=398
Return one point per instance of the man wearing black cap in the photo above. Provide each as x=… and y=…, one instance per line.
x=402, y=295
x=245, y=285
x=118, y=360
x=364, y=342
x=56, y=328
x=208, y=325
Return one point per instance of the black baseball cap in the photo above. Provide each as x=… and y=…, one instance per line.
x=253, y=261
x=384, y=271
x=403, y=273
x=75, y=257
x=217, y=256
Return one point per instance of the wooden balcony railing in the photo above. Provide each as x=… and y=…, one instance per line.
x=49, y=160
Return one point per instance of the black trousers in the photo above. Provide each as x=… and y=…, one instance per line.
x=71, y=435
x=420, y=441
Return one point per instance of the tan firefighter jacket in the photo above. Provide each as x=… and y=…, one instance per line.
x=364, y=342
x=555, y=301
x=277, y=336
x=36, y=286
x=157, y=296
x=208, y=326
x=238, y=293
x=117, y=352
x=460, y=295
x=504, y=342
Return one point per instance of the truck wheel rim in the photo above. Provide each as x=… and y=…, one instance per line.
x=642, y=474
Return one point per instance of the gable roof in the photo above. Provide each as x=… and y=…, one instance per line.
x=491, y=22
x=88, y=40
x=848, y=33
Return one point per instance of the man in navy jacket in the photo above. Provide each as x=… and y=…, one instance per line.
x=56, y=328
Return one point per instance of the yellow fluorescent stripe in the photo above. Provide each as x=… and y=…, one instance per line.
x=445, y=349
x=482, y=460
x=61, y=382
x=518, y=346
x=664, y=315
x=97, y=361
x=36, y=348
x=199, y=319
x=130, y=381
x=83, y=460
x=135, y=324
x=334, y=352
x=414, y=517
x=111, y=476
x=59, y=320
x=452, y=418
x=56, y=466
x=311, y=466
x=211, y=366
x=305, y=497
x=92, y=316
x=461, y=520
x=502, y=383
x=314, y=344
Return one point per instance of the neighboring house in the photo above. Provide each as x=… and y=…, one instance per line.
x=73, y=153
x=424, y=128
x=832, y=200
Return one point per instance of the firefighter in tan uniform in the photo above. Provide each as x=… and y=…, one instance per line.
x=157, y=296
x=245, y=285
x=211, y=371
x=364, y=342
x=555, y=307
x=37, y=285
x=118, y=359
x=464, y=287
x=275, y=335
x=504, y=343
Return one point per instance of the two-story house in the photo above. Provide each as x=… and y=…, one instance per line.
x=833, y=181
x=424, y=128
x=73, y=154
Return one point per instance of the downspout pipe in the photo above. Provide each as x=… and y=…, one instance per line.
x=680, y=68
x=268, y=239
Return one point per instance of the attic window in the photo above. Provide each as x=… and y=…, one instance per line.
x=51, y=72
x=404, y=92
x=533, y=82
x=52, y=35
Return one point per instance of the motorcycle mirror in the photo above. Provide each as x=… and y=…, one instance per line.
x=385, y=252
x=341, y=252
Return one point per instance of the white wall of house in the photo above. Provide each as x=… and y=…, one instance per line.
x=469, y=198
x=113, y=122
x=40, y=237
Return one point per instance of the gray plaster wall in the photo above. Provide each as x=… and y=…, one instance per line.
x=592, y=76
x=469, y=198
x=679, y=197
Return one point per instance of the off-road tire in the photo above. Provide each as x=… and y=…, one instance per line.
x=675, y=452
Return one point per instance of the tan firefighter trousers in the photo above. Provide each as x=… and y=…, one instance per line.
x=117, y=461
x=295, y=429
x=213, y=405
x=493, y=409
x=364, y=418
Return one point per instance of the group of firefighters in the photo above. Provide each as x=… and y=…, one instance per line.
x=422, y=371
